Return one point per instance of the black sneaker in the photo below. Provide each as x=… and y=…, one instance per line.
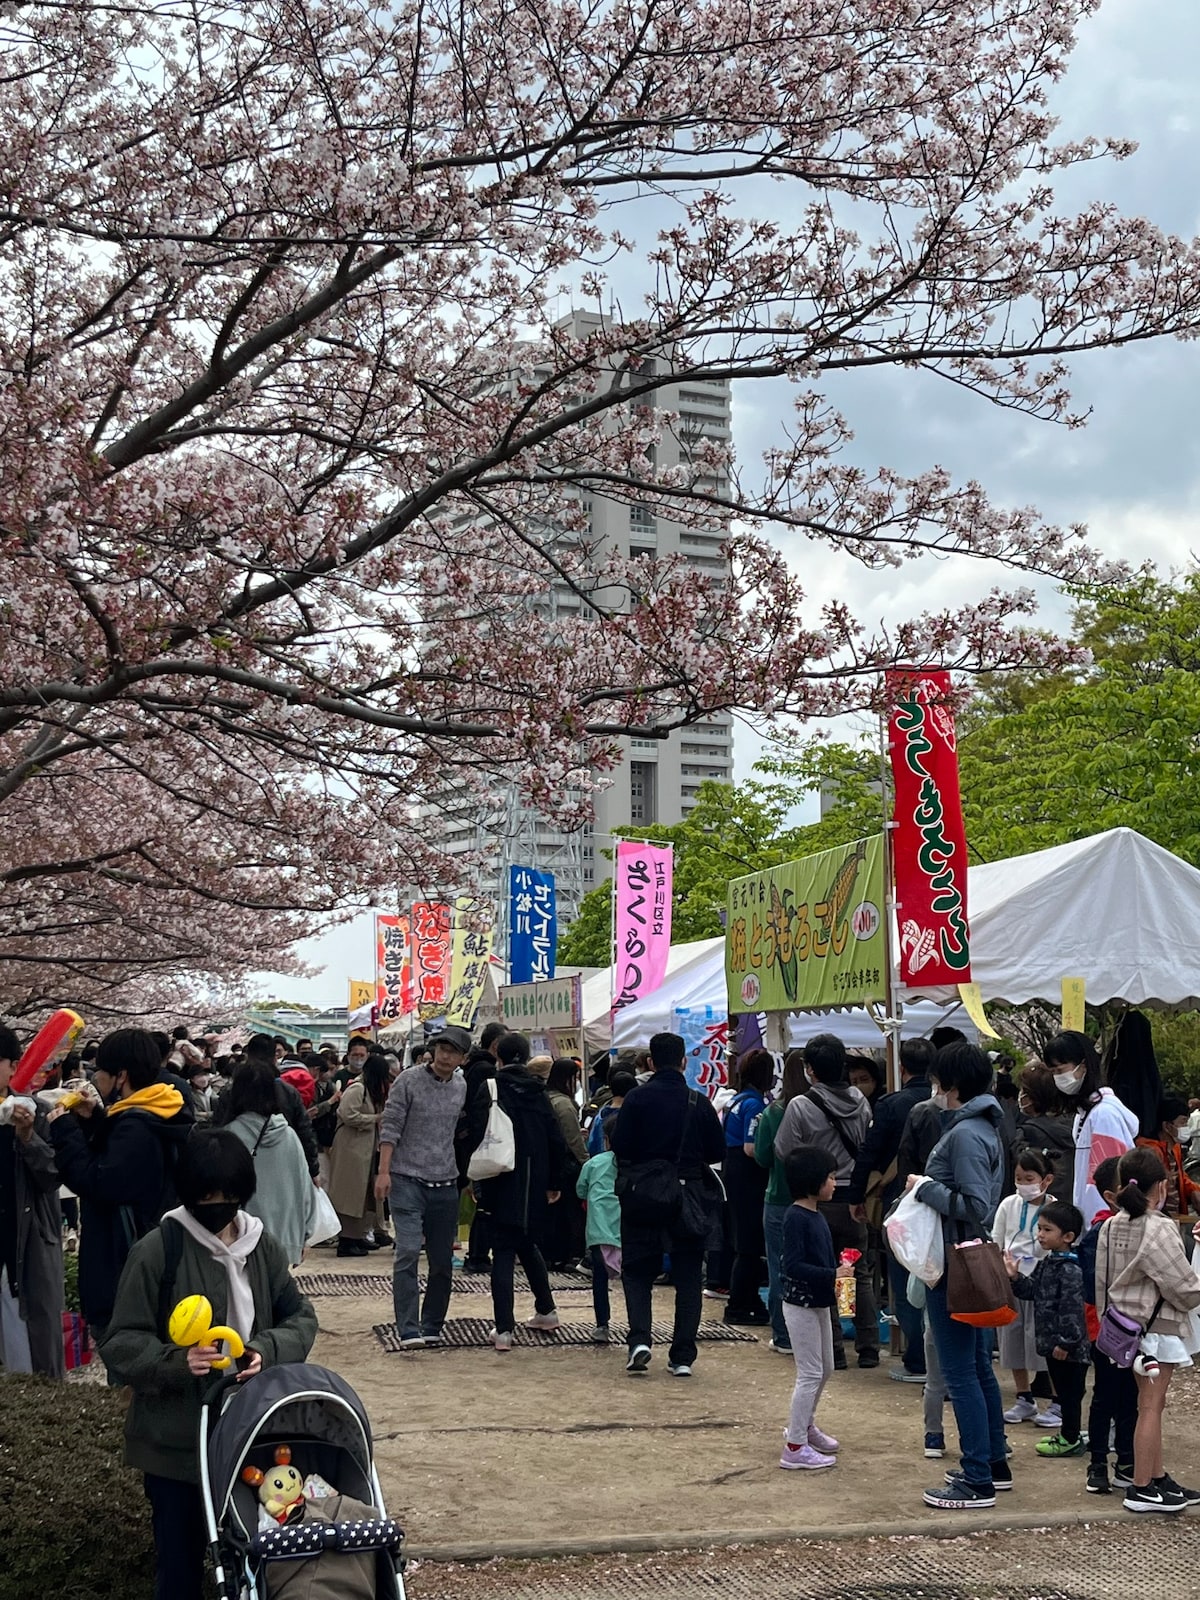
x=839, y=1363
x=1191, y=1497
x=1123, y=1476
x=1097, y=1478
x=1002, y=1478
x=959, y=1495
x=1153, y=1499
x=868, y=1358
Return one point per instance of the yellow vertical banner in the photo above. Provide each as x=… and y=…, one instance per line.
x=362, y=993
x=1073, y=1003
x=470, y=951
x=970, y=996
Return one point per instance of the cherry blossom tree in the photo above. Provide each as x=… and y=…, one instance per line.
x=294, y=440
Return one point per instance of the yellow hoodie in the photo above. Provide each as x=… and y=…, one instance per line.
x=160, y=1099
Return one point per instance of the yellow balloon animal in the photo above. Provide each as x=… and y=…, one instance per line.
x=191, y=1323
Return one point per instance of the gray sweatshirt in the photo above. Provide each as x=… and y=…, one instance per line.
x=419, y=1120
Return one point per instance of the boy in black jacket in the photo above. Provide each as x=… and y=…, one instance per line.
x=1056, y=1288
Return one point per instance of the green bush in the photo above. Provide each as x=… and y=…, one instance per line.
x=71, y=1280
x=75, y=1520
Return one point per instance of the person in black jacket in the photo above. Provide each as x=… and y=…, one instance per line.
x=664, y=1120
x=120, y=1161
x=481, y=1065
x=515, y=1202
x=880, y=1153
x=1056, y=1287
x=261, y=1047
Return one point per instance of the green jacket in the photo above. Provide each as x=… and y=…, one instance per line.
x=164, y=1416
x=777, y=1193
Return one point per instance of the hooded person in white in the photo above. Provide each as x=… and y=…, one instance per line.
x=284, y=1200
x=1103, y=1127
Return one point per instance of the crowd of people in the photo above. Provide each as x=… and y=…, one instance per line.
x=762, y=1199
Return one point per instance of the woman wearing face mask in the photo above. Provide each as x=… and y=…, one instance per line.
x=1103, y=1126
x=207, y=1246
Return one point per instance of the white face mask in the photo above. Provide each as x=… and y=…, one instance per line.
x=1068, y=1082
x=939, y=1100
x=1029, y=1191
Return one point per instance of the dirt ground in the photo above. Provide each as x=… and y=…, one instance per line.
x=480, y=1452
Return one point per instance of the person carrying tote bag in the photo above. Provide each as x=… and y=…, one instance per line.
x=964, y=1178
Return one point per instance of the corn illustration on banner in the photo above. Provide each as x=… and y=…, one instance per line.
x=808, y=933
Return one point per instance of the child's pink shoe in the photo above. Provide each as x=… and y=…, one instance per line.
x=804, y=1458
x=821, y=1441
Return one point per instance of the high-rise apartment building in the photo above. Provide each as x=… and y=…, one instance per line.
x=657, y=779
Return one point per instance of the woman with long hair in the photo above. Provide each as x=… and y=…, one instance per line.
x=284, y=1198
x=1103, y=1126
x=354, y=1159
x=1045, y=1123
x=746, y=1187
x=778, y=1196
x=564, y=1228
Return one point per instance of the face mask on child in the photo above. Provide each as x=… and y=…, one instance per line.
x=1029, y=1191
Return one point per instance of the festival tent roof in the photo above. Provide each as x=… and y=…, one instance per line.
x=1115, y=909
x=697, y=980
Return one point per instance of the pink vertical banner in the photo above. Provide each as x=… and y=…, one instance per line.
x=642, y=918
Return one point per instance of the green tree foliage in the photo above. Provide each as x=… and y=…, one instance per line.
x=1117, y=744
x=734, y=829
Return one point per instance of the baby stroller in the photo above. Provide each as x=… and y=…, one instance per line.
x=320, y=1417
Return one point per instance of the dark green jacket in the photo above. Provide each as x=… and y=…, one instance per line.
x=164, y=1416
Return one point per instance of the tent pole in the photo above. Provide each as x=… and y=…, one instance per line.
x=892, y=1004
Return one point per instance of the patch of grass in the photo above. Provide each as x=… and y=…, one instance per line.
x=75, y=1520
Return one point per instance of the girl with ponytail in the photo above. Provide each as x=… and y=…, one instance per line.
x=1143, y=1272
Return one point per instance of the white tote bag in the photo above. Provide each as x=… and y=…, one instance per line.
x=914, y=1232
x=325, y=1224
x=497, y=1150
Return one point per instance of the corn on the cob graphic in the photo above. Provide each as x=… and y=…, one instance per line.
x=837, y=897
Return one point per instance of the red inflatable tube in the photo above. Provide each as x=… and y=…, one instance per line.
x=49, y=1044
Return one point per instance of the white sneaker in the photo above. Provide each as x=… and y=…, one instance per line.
x=679, y=1369
x=601, y=1335
x=1021, y=1411
x=415, y=1341
x=1050, y=1418
x=501, y=1341
x=546, y=1320
x=639, y=1358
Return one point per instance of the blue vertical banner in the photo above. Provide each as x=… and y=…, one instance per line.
x=532, y=925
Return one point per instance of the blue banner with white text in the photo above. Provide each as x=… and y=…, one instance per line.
x=532, y=925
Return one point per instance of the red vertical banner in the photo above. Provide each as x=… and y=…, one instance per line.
x=393, y=968
x=431, y=925
x=929, y=841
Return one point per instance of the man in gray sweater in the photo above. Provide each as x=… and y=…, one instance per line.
x=418, y=1176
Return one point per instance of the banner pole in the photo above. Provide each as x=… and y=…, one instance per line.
x=893, y=1007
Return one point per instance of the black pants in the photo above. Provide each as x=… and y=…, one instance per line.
x=177, y=1517
x=851, y=1235
x=1069, y=1379
x=480, y=1241
x=1114, y=1401
x=746, y=1184
x=600, y=1300
x=639, y=1268
x=508, y=1246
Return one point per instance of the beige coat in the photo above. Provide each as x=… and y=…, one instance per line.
x=1137, y=1260
x=353, y=1151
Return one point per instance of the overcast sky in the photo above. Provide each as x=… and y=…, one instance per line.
x=1133, y=474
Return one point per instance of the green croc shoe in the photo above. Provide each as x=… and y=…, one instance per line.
x=1056, y=1446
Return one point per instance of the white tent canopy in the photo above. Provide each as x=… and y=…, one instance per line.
x=1115, y=909
x=696, y=980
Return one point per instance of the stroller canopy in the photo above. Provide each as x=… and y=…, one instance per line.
x=293, y=1401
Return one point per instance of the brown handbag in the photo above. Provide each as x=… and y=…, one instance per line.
x=978, y=1290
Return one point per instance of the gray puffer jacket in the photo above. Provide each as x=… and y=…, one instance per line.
x=966, y=1169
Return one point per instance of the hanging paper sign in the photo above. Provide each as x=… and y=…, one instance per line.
x=431, y=958
x=929, y=843
x=808, y=933
x=362, y=993
x=532, y=924
x=706, y=1038
x=644, y=877
x=970, y=996
x=393, y=994
x=543, y=1007
x=470, y=952
x=1073, y=1004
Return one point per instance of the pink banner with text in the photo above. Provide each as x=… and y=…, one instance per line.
x=642, y=919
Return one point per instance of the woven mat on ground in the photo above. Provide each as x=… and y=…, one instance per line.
x=317, y=1284
x=473, y=1333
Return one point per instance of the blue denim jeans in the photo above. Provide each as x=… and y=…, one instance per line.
x=966, y=1357
x=773, y=1216
x=912, y=1323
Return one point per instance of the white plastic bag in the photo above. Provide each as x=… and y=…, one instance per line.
x=914, y=1232
x=325, y=1219
x=497, y=1150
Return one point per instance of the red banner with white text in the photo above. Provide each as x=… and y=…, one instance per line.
x=431, y=925
x=929, y=842
x=393, y=969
